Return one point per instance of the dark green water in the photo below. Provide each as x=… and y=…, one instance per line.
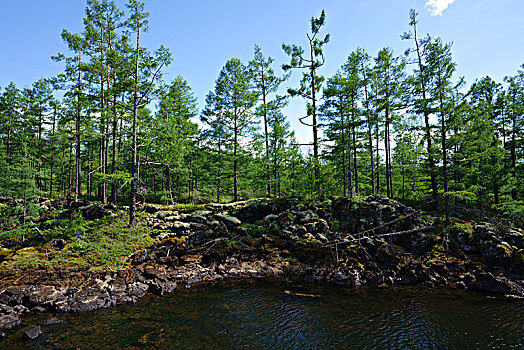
x=259, y=315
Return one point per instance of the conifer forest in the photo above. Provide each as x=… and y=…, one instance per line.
x=400, y=124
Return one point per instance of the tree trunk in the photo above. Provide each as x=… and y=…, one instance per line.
x=132, y=199
x=343, y=150
x=314, y=110
x=235, y=161
x=78, y=187
x=427, y=128
x=369, y=132
x=268, y=170
x=444, y=156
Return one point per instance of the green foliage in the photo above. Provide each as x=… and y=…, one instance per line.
x=400, y=126
x=68, y=229
x=111, y=246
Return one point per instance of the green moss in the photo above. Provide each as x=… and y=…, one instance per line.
x=518, y=258
x=254, y=230
x=26, y=258
x=5, y=254
x=190, y=207
x=462, y=227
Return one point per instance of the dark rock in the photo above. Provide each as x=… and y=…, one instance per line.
x=306, y=217
x=75, y=204
x=151, y=208
x=44, y=295
x=9, y=321
x=51, y=321
x=198, y=219
x=421, y=245
x=486, y=232
x=54, y=245
x=498, y=254
x=110, y=206
x=487, y=282
x=386, y=256
x=33, y=333
x=515, y=237
x=258, y=210
x=94, y=211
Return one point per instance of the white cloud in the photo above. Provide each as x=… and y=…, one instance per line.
x=436, y=7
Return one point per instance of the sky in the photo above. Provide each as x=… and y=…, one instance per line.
x=487, y=35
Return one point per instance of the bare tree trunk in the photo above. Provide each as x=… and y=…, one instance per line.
x=431, y=161
x=133, y=192
x=355, y=167
x=314, y=110
x=369, y=133
x=78, y=187
x=344, y=176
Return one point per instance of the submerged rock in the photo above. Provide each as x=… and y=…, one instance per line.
x=51, y=321
x=9, y=321
x=33, y=333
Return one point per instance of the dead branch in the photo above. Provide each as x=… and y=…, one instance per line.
x=417, y=230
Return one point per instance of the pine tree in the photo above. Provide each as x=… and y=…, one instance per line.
x=311, y=82
x=172, y=133
x=145, y=70
x=228, y=111
x=266, y=83
x=421, y=100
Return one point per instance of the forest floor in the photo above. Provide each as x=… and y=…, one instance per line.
x=80, y=256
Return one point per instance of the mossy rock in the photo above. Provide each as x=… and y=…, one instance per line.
x=172, y=241
x=498, y=254
x=6, y=254
x=518, y=260
x=462, y=227
x=53, y=246
x=388, y=255
x=28, y=251
x=230, y=221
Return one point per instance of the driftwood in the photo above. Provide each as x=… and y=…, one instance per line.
x=288, y=292
x=422, y=229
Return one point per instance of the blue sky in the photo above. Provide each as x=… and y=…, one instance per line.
x=488, y=35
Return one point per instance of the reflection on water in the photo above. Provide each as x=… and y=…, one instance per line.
x=257, y=314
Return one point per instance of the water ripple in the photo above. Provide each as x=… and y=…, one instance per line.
x=259, y=315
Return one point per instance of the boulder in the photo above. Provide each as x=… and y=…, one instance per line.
x=229, y=221
x=94, y=211
x=498, y=254
x=387, y=256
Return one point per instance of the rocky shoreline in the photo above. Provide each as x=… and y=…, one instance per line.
x=344, y=244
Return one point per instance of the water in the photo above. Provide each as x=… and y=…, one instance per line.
x=258, y=314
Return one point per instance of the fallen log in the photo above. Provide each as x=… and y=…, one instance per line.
x=417, y=230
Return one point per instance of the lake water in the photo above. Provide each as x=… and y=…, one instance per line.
x=259, y=314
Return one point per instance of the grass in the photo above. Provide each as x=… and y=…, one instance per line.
x=106, y=242
x=190, y=207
